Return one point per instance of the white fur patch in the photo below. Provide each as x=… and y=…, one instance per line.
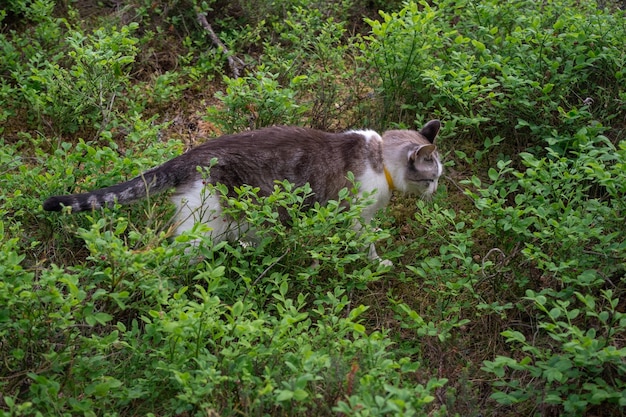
x=197, y=204
x=369, y=135
x=433, y=185
x=370, y=181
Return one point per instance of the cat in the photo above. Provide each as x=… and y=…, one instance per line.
x=402, y=160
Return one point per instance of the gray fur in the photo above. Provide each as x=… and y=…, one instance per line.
x=255, y=158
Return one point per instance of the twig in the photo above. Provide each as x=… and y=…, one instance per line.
x=234, y=62
x=263, y=274
x=492, y=250
x=449, y=178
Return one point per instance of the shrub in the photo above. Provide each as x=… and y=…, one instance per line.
x=576, y=360
x=83, y=92
x=518, y=69
x=542, y=261
x=257, y=101
x=252, y=328
x=306, y=76
x=398, y=48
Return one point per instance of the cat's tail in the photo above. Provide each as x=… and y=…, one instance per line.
x=149, y=183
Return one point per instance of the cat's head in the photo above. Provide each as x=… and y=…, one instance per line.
x=412, y=158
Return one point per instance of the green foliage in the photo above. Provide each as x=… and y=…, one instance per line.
x=18, y=53
x=257, y=101
x=398, y=47
x=312, y=47
x=507, y=291
x=306, y=76
x=84, y=93
x=523, y=68
x=278, y=331
x=325, y=246
x=546, y=246
x=575, y=241
x=583, y=367
x=554, y=199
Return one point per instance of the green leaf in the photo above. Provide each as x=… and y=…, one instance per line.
x=604, y=316
x=563, y=364
x=541, y=300
x=300, y=394
x=98, y=318
x=513, y=336
x=572, y=314
x=478, y=45
x=555, y=313
x=283, y=288
x=237, y=308
x=359, y=328
x=552, y=374
x=504, y=398
x=284, y=395
x=552, y=399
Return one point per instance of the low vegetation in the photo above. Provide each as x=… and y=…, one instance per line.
x=507, y=293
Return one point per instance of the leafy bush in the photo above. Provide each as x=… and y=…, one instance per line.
x=581, y=361
x=139, y=322
x=306, y=76
x=582, y=367
x=257, y=101
x=86, y=91
x=522, y=69
x=398, y=47
x=544, y=258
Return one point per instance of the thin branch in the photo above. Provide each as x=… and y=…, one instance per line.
x=264, y=273
x=235, y=63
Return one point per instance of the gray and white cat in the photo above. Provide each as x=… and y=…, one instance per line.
x=403, y=160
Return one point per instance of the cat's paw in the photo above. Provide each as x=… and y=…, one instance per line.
x=246, y=244
x=386, y=262
x=373, y=256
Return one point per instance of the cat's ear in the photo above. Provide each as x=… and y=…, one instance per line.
x=422, y=151
x=430, y=130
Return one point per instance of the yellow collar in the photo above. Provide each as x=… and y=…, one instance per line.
x=389, y=179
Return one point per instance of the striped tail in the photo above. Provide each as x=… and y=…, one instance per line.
x=149, y=183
